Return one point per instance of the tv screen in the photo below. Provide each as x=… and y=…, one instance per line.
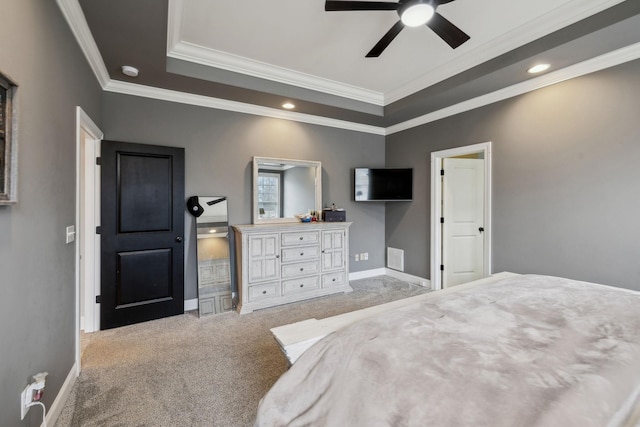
x=383, y=184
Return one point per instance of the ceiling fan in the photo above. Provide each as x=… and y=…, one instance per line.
x=412, y=13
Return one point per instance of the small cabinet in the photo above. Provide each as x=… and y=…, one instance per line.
x=263, y=257
x=333, y=249
x=279, y=264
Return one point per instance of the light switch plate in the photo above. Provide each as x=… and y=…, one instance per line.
x=71, y=233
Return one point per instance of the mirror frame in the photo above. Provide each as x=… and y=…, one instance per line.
x=309, y=163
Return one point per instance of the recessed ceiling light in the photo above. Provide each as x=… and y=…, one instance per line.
x=130, y=71
x=538, y=68
x=288, y=106
x=417, y=14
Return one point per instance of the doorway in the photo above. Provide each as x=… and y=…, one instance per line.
x=466, y=245
x=88, y=137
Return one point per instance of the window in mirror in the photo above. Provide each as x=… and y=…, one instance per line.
x=269, y=194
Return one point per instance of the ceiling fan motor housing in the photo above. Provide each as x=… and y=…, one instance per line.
x=413, y=13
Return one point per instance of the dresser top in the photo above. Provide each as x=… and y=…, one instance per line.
x=290, y=226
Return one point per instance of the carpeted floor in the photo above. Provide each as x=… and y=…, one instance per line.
x=190, y=371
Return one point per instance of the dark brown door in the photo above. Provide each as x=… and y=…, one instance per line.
x=142, y=229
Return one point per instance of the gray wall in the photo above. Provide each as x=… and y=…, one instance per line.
x=220, y=146
x=565, y=179
x=37, y=308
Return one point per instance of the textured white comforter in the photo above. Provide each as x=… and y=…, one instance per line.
x=524, y=351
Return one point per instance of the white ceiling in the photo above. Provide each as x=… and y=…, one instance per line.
x=297, y=43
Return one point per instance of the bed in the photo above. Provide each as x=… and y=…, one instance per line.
x=521, y=350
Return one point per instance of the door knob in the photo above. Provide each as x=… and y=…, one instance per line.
x=481, y=229
x=179, y=239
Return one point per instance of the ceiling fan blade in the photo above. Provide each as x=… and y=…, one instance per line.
x=385, y=40
x=336, y=5
x=448, y=32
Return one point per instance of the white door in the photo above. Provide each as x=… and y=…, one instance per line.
x=463, y=226
x=89, y=241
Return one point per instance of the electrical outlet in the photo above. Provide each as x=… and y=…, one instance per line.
x=357, y=257
x=366, y=256
x=25, y=399
x=32, y=392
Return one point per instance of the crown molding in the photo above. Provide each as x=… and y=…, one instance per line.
x=607, y=60
x=190, y=52
x=565, y=15
x=127, y=88
x=174, y=24
x=77, y=22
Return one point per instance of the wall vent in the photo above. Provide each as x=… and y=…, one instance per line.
x=395, y=259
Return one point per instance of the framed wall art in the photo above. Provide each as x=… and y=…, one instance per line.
x=8, y=142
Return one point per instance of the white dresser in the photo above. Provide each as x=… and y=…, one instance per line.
x=283, y=263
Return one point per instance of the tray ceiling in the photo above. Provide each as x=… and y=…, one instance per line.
x=261, y=53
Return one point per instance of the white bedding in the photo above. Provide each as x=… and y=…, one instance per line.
x=524, y=351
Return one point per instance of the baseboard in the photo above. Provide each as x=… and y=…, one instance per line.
x=191, y=304
x=61, y=399
x=366, y=274
x=408, y=277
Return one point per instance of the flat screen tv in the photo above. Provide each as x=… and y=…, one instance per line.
x=383, y=185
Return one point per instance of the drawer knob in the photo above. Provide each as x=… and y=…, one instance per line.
x=264, y=292
x=301, y=269
x=333, y=279
x=302, y=286
x=301, y=253
x=301, y=238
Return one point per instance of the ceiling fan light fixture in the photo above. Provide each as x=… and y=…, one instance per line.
x=417, y=13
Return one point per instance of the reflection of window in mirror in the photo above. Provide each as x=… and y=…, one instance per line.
x=270, y=194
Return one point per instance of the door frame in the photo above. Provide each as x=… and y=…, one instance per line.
x=436, y=206
x=87, y=163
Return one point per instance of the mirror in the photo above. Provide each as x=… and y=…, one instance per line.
x=285, y=188
x=214, y=270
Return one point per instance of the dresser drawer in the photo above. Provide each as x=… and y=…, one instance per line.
x=301, y=253
x=302, y=284
x=300, y=238
x=333, y=279
x=266, y=290
x=300, y=269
